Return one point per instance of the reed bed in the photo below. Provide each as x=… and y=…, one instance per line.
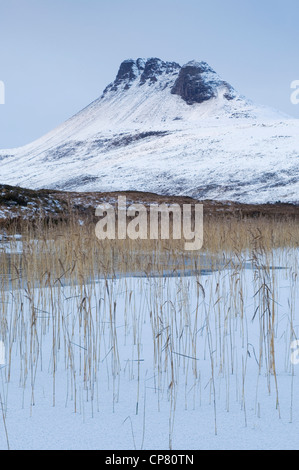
x=149, y=326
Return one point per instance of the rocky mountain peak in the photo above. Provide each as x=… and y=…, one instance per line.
x=129, y=70
x=195, y=82
x=198, y=82
x=145, y=70
x=155, y=67
x=151, y=133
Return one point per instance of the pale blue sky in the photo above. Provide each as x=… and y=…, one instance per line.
x=56, y=56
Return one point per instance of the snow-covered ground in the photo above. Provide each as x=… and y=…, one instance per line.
x=140, y=136
x=138, y=362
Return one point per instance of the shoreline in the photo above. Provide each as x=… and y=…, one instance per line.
x=19, y=204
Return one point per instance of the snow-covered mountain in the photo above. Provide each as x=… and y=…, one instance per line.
x=163, y=128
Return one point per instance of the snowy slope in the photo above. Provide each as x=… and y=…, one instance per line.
x=167, y=129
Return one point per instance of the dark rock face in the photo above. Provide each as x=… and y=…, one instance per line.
x=155, y=67
x=127, y=71
x=195, y=82
x=148, y=70
x=192, y=86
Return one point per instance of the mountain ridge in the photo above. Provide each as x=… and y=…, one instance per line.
x=168, y=129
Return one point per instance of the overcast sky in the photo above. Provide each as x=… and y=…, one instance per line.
x=56, y=56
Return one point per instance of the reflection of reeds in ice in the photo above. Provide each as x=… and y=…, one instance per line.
x=149, y=314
